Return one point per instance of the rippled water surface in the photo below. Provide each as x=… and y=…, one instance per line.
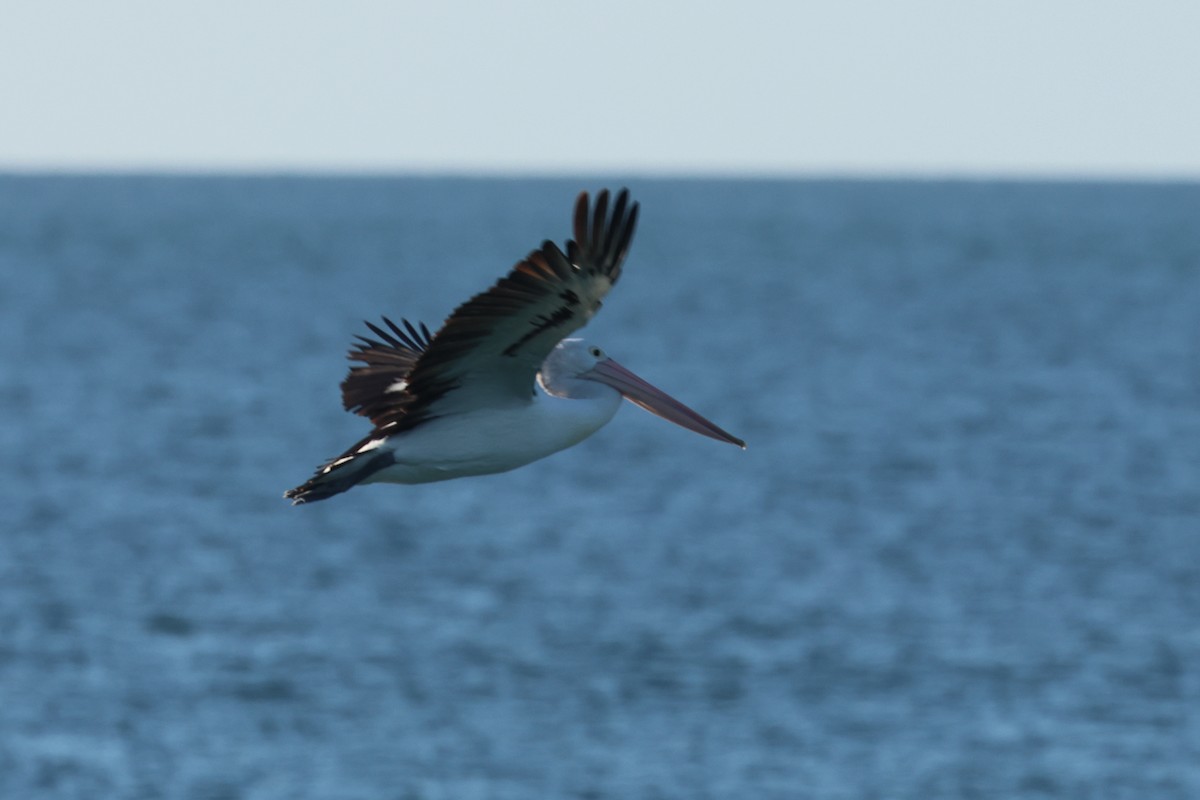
x=960, y=558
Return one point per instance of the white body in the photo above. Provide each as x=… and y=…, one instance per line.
x=491, y=440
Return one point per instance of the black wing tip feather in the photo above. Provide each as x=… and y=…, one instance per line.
x=602, y=238
x=415, y=338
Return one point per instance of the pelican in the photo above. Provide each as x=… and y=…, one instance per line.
x=498, y=386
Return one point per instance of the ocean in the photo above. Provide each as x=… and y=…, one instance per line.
x=960, y=557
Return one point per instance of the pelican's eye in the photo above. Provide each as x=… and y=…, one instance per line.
x=595, y=351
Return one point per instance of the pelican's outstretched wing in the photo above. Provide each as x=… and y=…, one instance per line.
x=488, y=353
x=371, y=390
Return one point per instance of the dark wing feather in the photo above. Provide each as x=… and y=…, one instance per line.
x=488, y=352
x=375, y=389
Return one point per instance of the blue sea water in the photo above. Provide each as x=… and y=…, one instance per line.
x=960, y=558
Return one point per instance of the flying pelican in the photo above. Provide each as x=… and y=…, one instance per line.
x=498, y=386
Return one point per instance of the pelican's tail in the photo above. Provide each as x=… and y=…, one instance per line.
x=344, y=472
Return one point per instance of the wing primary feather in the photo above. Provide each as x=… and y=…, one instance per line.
x=407, y=338
x=580, y=228
x=382, y=334
x=627, y=234
x=618, y=222
x=538, y=260
x=599, y=216
x=402, y=335
x=557, y=261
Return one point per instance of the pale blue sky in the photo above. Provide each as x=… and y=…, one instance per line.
x=916, y=87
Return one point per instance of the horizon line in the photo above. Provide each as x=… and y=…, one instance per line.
x=449, y=172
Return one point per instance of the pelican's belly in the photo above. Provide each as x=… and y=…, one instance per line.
x=493, y=440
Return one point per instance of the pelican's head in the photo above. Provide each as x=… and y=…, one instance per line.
x=576, y=359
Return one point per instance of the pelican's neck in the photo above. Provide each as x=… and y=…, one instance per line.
x=575, y=408
x=569, y=387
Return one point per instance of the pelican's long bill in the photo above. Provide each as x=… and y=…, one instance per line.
x=656, y=401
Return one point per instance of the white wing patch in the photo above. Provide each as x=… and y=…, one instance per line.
x=366, y=448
